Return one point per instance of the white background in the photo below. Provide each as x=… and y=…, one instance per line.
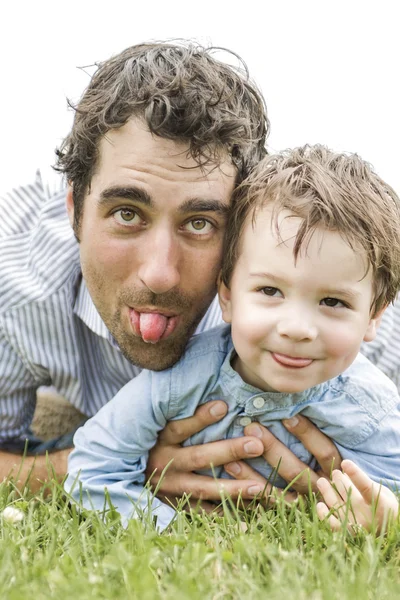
x=329, y=70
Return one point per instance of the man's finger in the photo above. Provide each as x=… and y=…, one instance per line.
x=212, y=489
x=278, y=456
x=316, y=442
x=178, y=431
x=243, y=471
x=188, y=504
x=204, y=456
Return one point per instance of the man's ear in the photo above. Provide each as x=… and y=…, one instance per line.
x=373, y=325
x=224, y=295
x=70, y=206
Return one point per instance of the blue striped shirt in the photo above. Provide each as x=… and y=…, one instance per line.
x=50, y=330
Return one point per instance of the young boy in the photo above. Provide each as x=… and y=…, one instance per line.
x=311, y=261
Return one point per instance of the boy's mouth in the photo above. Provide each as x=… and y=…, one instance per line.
x=295, y=362
x=152, y=326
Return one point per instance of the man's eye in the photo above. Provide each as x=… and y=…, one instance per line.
x=271, y=291
x=126, y=216
x=332, y=303
x=199, y=226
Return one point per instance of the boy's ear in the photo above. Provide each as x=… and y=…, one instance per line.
x=373, y=325
x=224, y=294
x=70, y=205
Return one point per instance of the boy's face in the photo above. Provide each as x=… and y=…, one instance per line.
x=296, y=325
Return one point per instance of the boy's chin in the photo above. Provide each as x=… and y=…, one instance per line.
x=291, y=387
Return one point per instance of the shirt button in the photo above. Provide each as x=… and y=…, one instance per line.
x=258, y=402
x=244, y=421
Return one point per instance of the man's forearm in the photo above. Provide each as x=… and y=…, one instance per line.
x=33, y=470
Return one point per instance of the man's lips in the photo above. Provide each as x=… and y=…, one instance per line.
x=152, y=325
x=295, y=362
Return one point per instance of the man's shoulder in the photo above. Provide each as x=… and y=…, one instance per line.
x=22, y=206
x=37, y=246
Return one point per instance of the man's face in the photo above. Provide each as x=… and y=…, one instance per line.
x=295, y=325
x=150, y=241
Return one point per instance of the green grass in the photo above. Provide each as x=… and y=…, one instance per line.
x=55, y=552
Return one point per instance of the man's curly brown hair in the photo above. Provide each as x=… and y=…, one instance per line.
x=182, y=93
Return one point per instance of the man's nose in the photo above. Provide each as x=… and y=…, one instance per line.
x=159, y=269
x=297, y=327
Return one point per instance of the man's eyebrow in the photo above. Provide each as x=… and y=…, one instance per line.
x=202, y=205
x=109, y=195
x=135, y=194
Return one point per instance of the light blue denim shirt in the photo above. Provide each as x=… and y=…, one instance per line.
x=358, y=410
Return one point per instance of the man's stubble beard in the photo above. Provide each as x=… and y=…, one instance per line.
x=165, y=353
x=156, y=357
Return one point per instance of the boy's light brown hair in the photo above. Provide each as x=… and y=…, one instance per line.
x=337, y=192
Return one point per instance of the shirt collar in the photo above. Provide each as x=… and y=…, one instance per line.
x=243, y=393
x=87, y=312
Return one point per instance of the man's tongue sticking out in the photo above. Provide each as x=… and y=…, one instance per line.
x=152, y=326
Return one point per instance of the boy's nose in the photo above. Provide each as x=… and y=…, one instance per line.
x=297, y=329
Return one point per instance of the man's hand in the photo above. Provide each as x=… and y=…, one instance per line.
x=288, y=465
x=33, y=470
x=179, y=478
x=355, y=499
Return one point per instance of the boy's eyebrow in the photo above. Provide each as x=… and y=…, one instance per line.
x=341, y=292
x=347, y=293
x=268, y=276
x=136, y=194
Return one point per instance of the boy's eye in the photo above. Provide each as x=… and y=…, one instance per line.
x=271, y=291
x=332, y=302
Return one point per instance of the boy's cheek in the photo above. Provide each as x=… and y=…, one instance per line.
x=249, y=319
x=343, y=342
x=249, y=331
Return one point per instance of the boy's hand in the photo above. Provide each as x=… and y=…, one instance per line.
x=180, y=479
x=370, y=504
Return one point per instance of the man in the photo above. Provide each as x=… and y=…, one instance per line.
x=160, y=138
